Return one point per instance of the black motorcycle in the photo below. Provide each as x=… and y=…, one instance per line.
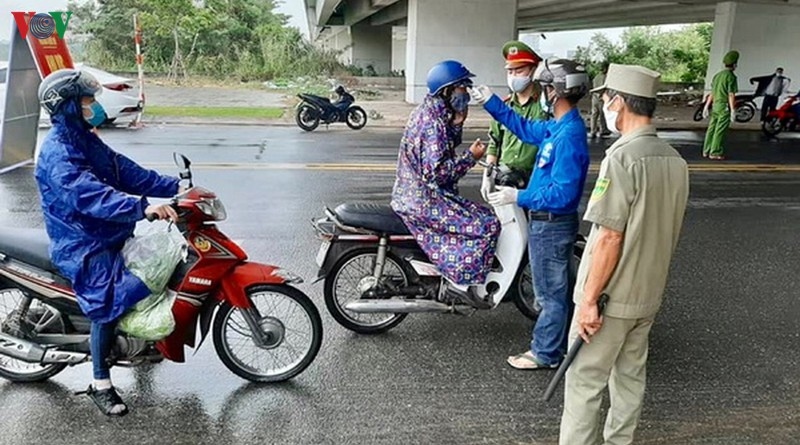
x=315, y=109
x=745, y=108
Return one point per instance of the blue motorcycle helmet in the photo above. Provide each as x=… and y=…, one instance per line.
x=448, y=73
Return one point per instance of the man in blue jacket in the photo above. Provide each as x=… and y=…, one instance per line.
x=552, y=197
x=92, y=198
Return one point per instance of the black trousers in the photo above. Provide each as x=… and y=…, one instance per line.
x=770, y=103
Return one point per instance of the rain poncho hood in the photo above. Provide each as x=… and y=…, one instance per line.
x=91, y=198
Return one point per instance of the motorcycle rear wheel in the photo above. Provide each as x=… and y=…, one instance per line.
x=698, y=113
x=307, y=117
x=229, y=322
x=342, y=286
x=745, y=113
x=39, y=314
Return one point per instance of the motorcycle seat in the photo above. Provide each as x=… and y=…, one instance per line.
x=27, y=245
x=374, y=217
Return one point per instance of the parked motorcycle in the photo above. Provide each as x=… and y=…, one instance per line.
x=376, y=274
x=264, y=329
x=745, y=108
x=783, y=118
x=315, y=109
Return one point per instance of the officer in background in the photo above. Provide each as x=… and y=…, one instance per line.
x=597, y=125
x=517, y=156
x=721, y=104
x=636, y=211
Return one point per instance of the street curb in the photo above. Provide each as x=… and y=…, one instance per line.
x=676, y=126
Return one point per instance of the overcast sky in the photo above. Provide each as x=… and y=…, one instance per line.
x=556, y=43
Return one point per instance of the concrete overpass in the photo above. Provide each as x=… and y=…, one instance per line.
x=412, y=35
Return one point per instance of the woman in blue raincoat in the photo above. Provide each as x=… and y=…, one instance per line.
x=458, y=235
x=92, y=198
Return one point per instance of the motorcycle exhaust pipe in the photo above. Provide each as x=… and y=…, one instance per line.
x=34, y=353
x=398, y=306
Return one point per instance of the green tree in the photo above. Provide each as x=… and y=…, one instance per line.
x=679, y=55
x=242, y=39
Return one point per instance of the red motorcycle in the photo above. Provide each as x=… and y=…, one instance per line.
x=264, y=329
x=783, y=118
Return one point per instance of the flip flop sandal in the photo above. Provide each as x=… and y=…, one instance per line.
x=107, y=400
x=526, y=362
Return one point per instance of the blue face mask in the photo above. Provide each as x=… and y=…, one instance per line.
x=460, y=102
x=97, y=116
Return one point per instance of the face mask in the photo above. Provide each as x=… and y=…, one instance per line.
x=611, y=117
x=546, y=104
x=97, y=116
x=459, y=102
x=518, y=83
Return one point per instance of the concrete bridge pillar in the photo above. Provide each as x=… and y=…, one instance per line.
x=470, y=31
x=766, y=36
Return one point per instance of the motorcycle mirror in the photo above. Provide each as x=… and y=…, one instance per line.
x=181, y=160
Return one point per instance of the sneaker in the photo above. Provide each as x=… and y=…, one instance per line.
x=109, y=402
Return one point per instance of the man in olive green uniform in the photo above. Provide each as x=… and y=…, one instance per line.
x=519, y=157
x=637, y=210
x=598, y=121
x=722, y=102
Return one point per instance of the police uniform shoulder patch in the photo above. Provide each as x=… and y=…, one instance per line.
x=600, y=188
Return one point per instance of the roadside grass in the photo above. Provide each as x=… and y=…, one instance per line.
x=216, y=112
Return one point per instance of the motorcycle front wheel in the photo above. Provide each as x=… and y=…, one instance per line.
x=522, y=291
x=356, y=118
x=294, y=330
x=307, y=117
x=352, y=273
x=772, y=126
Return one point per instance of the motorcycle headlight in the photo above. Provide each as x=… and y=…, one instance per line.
x=213, y=208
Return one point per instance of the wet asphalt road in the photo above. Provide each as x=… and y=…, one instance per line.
x=723, y=365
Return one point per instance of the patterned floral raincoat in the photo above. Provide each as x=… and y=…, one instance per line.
x=458, y=235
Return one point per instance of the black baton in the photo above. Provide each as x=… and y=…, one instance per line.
x=573, y=351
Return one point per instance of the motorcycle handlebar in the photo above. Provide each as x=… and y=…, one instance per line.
x=154, y=217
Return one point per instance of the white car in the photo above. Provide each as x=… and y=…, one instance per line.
x=118, y=98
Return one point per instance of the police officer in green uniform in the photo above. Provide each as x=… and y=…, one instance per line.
x=517, y=156
x=722, y=102
x=636, y=210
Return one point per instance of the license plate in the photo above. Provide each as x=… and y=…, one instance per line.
x=323, y=252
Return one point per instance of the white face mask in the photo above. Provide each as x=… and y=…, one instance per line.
x=611, y=116
x=518, y=83
x=545, y=103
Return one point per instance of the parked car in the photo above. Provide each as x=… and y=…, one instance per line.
x=118, y=98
